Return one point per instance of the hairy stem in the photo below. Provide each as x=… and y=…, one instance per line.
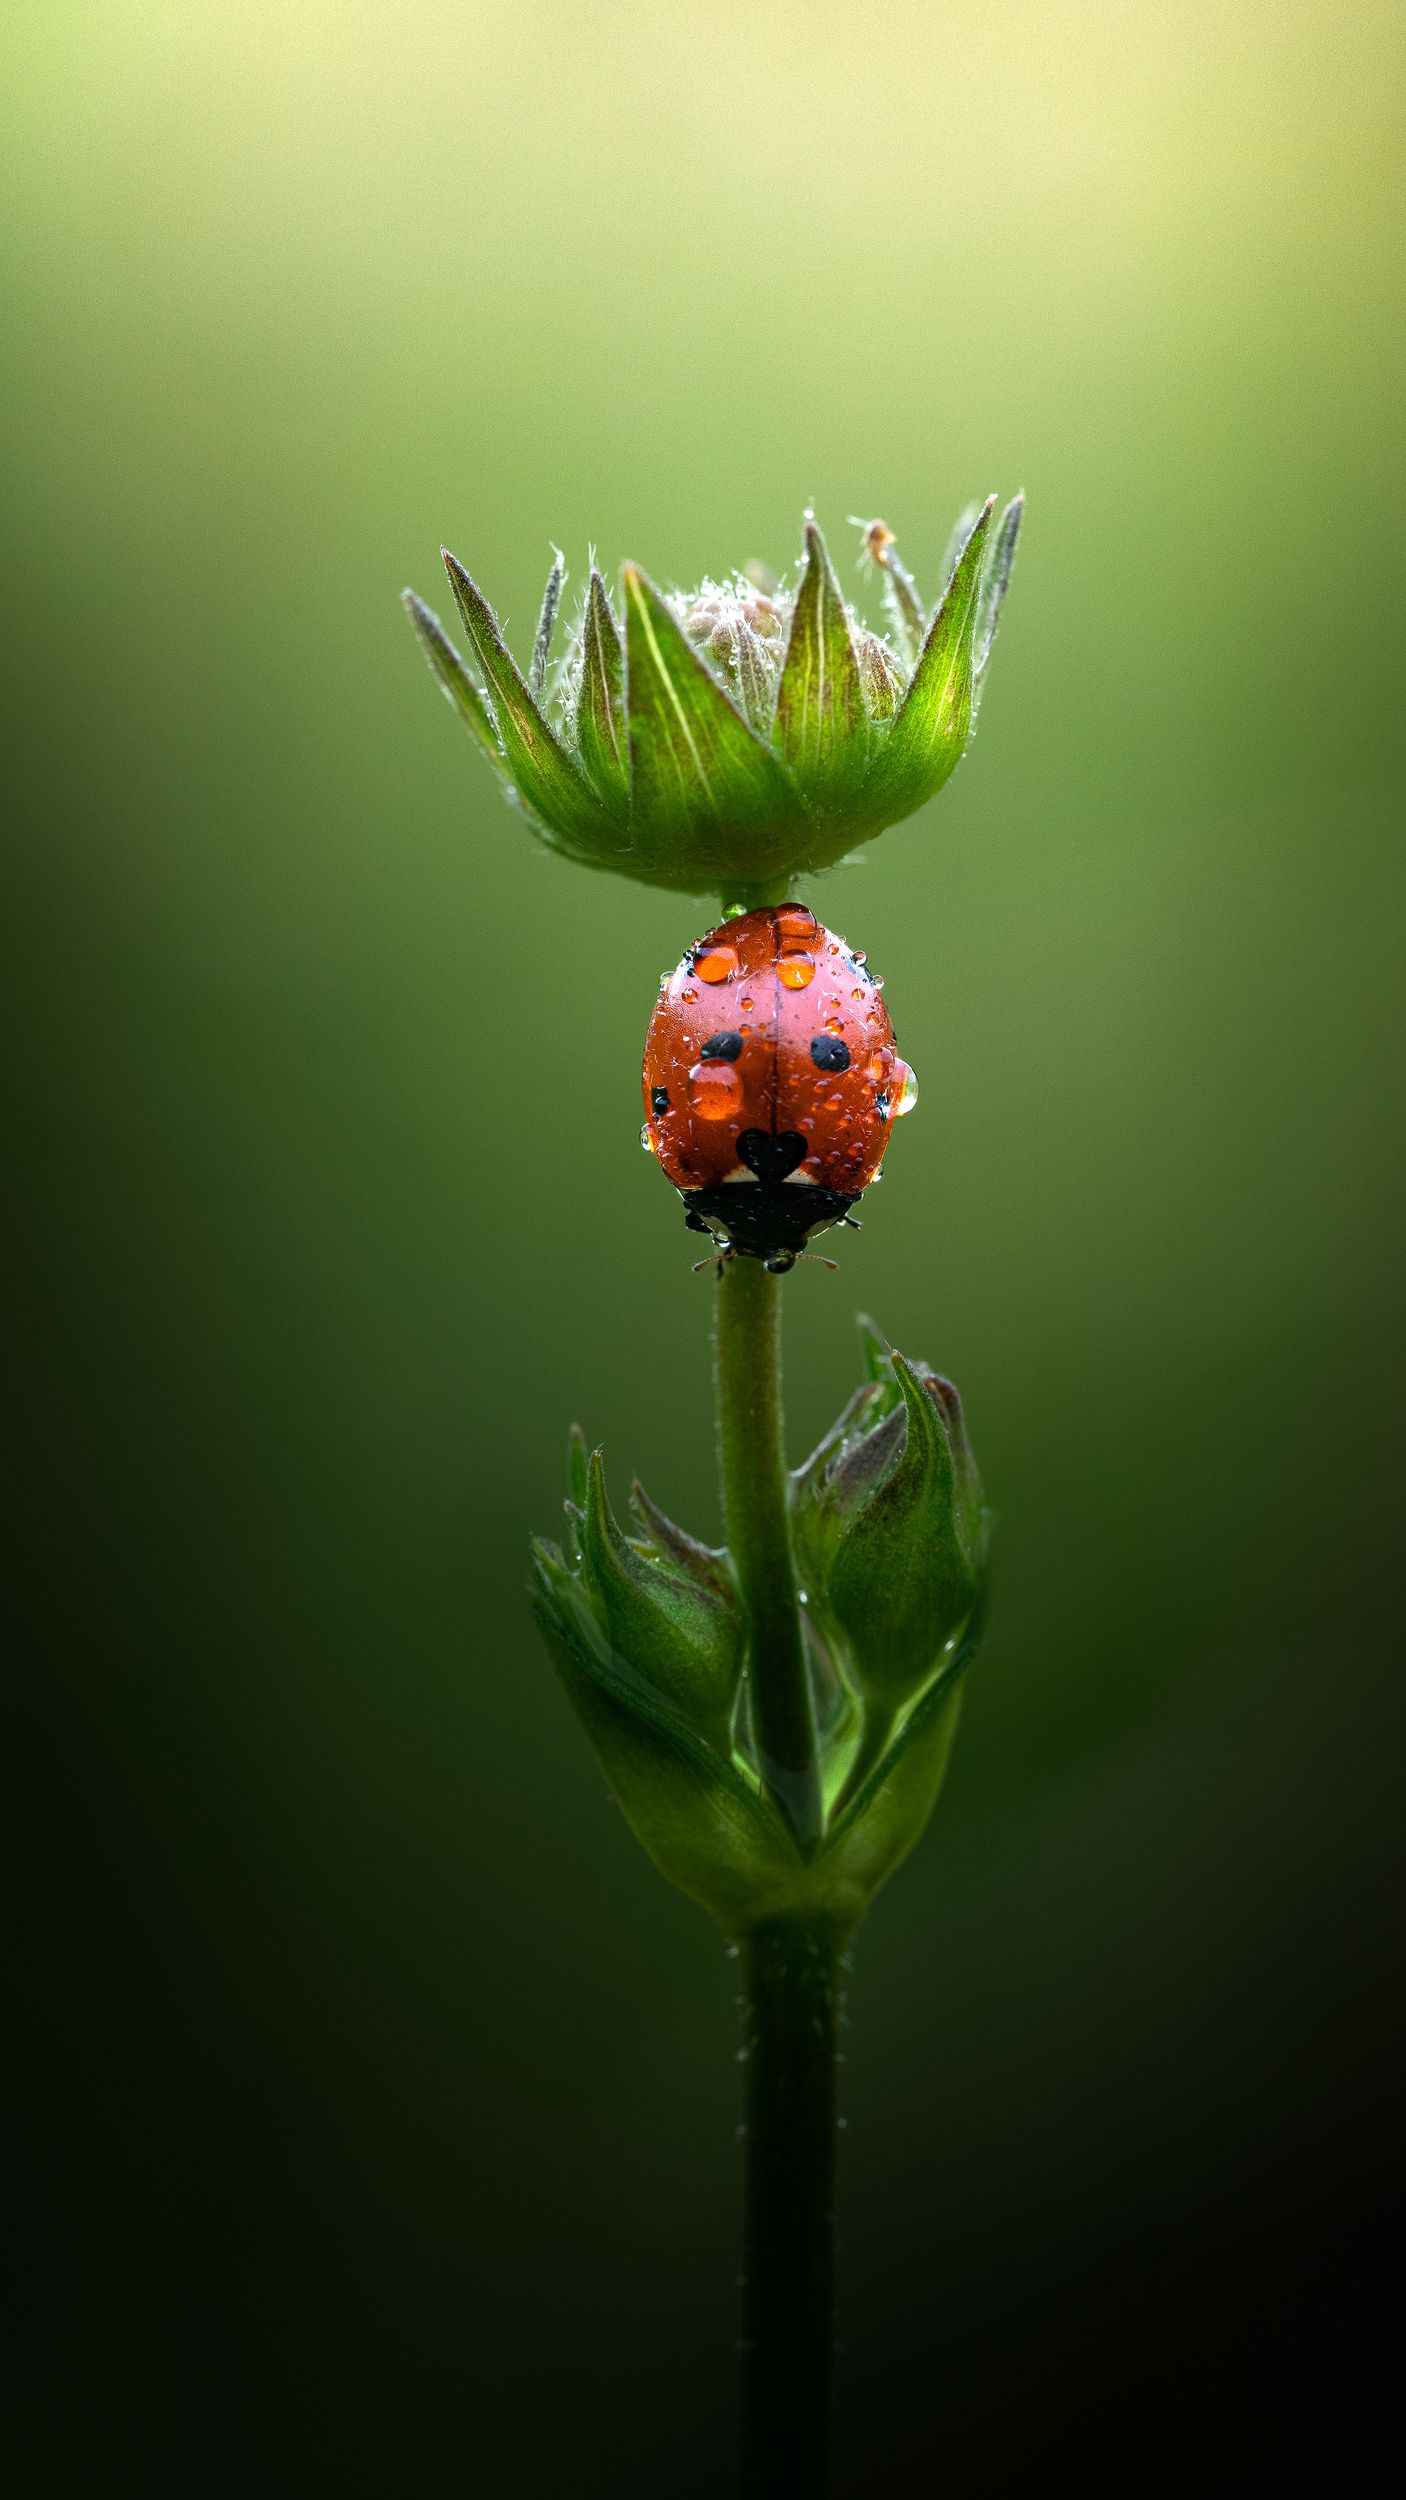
x=752, y=1452
x=792, y=1968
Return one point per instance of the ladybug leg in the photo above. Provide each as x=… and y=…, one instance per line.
x=853, y=1223
x=695, y=1223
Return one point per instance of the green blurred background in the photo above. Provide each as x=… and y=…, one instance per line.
x=381, y=2136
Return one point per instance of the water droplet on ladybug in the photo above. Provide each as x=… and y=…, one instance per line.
x=878, y=1065
x=715, y=964
x=796, y=972
x=795, y=926
x=688, y=997
x=856, y=994
x=907, y=1084
x=714, y=1089
x=834, y=1024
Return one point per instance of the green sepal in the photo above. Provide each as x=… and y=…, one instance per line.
x=754, y=686
x=926, y=740
x=904, y=1579
x=821, y=719
x=962, y=528
x=546, y=625
x=878, y=1353
x=707, y=1564
x=600, y=703
x=454, y=679
x=544, y=776
x=994, y=585
x=578, y=1460
x=905, y=608
x=709, y=801
x=675, y=1635
x=701, y=1821
x=880, y=676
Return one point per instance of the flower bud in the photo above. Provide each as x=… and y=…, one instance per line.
x=665, y=1606
x=731, y=739
x=891, y=1539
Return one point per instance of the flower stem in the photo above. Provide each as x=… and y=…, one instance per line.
x=752, y=1452
x=792, y=1968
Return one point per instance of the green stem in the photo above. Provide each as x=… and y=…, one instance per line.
x=793, y=1985
x=752, y=1452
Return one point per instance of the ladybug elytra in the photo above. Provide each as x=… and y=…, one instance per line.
x=771, y=1082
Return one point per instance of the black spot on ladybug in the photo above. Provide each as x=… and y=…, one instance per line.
x=771, y=1158
x=724, y=1046
x=659, y=1098
x=828, y=1051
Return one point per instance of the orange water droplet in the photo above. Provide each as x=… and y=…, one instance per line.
x=688, y=997
x=716, y=963
x=714, y=1089
x=746, y=1006
x=878, y=1065
x=859, y=955
x=856, y=995
x=834, y=1024
x=796, y=972
x=795, y=926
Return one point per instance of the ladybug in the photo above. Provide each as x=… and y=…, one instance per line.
x=771, y=1083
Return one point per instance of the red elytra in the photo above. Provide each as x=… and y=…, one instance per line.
x=770, y=1081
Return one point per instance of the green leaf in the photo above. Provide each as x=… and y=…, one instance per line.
x=707, y=796
x=926, y=740
x=902, y=1581
x=704, y=1826
x=892, y=1807
x=544, y=775
x=821, y=722
x=600, y=709
x=546, y=622
x=994, y=585
x=453, y=677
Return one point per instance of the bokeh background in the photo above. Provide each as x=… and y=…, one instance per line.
x=380, y=2134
